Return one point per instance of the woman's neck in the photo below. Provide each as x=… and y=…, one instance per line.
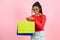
x=38, y=14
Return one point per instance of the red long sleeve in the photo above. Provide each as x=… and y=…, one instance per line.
x=39, y=22
x=40, y=25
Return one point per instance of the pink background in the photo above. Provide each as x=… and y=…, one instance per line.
x=11, y=11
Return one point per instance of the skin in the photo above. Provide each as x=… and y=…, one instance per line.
x=36, y=11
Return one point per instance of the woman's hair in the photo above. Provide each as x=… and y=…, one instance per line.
x=38, y=5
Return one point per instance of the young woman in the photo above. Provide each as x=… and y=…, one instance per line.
x=39, y=18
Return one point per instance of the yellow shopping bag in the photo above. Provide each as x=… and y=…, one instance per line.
x=26, y=27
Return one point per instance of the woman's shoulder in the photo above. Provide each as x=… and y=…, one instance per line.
x=43, y=16
x=33, y=15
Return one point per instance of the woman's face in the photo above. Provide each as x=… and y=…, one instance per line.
x=36, y=9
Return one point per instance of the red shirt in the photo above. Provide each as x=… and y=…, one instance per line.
x=39, y=22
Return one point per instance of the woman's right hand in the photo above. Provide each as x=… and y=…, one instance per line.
x=30, y=18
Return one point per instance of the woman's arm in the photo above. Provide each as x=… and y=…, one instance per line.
x=30, y=18
x=41, y=24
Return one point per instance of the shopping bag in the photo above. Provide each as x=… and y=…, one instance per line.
x=25, y=28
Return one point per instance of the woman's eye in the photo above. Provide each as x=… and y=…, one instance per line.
x=35, y=9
